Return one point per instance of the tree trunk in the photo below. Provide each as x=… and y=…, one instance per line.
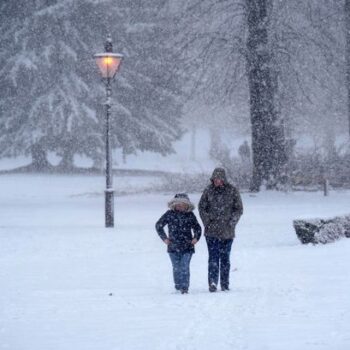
x=193, y=143
x=67, y=161
x=214, y=143
x=268, y=146
x=347, y=34
x=39, y=159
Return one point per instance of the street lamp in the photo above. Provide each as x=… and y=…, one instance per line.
x=108, y=63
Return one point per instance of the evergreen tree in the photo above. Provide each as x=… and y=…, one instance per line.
x=51, y=96
x=15, y=79
x=147, y=96
x=51, y=107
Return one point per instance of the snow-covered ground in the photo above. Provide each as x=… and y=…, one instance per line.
x=67, y=283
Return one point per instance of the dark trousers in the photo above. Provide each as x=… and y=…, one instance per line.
x=219, y=260
x=181, y=269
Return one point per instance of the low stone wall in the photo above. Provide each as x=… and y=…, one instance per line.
x=322, y=230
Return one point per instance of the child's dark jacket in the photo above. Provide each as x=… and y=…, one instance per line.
x=180, y=226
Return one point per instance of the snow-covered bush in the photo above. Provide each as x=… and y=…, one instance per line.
x=322, y=231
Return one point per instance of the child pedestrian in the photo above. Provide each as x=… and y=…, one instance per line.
x=180, y=240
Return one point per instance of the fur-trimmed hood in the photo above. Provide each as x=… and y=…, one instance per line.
x=181, y=198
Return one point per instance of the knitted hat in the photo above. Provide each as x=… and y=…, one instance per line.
x=181, y=198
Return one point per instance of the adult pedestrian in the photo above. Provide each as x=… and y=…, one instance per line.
x=220, y=209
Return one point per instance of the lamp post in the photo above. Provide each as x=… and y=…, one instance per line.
x=108, y=63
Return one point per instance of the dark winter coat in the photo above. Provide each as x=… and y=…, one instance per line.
x=180, y=226
x=220, y=208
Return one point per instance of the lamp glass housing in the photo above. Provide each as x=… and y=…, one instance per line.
x=108, y=63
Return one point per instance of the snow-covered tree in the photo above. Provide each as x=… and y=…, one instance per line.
x=147, y=95
x=283, y=56
x=51, y=105
x=53, y=101
x=226, y=45
x=308, y=40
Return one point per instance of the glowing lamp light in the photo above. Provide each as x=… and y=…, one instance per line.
x=108, y=63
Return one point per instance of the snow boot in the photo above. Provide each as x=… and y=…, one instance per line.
x=212, y=287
